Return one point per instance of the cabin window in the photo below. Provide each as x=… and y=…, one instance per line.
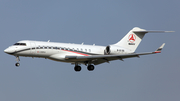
x=89, y=50
x=119, y=50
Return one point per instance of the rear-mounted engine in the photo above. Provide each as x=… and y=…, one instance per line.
x=112, y=50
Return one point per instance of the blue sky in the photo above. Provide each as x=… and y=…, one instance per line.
x=103, y=22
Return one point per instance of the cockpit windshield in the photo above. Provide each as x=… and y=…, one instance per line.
x=20, y=44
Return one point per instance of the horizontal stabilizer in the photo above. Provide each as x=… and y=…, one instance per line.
x=152, y=31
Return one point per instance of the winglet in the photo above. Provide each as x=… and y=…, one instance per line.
x=160, y=48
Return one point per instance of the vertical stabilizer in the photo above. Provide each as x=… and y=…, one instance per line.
x=132, y=39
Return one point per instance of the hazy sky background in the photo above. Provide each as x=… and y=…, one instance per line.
x=103, y=22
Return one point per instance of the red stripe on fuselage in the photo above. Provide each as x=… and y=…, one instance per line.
x=76, y=52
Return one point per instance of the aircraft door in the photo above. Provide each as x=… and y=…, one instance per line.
x=33, y=48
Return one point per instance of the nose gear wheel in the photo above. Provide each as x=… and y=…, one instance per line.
x=17, y=59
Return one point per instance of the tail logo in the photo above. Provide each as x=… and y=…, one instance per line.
x=132, y=38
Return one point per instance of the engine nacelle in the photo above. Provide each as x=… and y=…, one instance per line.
x=113, y=50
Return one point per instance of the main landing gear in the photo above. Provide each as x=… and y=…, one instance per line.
x=90, y=67
x=77, y=68
x=17, y=59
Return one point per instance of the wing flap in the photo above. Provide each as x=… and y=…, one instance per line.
x=98, y=59
x=109, y=56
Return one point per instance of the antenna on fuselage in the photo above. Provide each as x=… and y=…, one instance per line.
x=48, y=41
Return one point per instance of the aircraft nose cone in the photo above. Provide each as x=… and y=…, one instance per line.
x=8, y=51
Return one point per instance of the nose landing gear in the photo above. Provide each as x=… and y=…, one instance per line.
x=17, y=64
x=17, y=59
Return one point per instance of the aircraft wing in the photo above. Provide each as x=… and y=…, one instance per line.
x=98, y=59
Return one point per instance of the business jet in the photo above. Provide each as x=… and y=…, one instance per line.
x=78, y=54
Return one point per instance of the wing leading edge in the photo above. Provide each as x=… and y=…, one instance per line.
x=98, y=59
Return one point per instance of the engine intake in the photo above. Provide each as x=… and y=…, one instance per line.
x=107, y=50
x=113, y=49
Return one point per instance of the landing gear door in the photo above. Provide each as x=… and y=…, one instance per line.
x=33, y=48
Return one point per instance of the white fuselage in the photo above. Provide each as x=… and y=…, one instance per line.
x=56, y=51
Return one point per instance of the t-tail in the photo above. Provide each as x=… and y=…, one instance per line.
x=133, y=38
